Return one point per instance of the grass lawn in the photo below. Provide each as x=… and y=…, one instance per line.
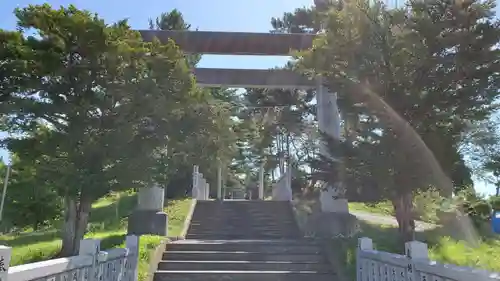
x=484, y=254
x=382, y=208
x=108, y=222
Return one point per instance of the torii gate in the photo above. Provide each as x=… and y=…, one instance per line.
x=260, y=44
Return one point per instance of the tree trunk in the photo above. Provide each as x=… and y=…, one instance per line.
x=403, y=207
x=76, y=215
x=36, y=224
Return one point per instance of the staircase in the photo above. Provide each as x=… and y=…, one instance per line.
x=243, y=241
x=242, y=219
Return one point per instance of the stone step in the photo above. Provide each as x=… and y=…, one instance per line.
x=240, y=235
x=247, y=247
x=238, y=256
x=251, y=205
x=260, y=211
x=258, y=208
x=262, y=223
x=264, y=242
x=179, y=275
x=238, y=225
x=235, y=215
x=242, y=265
x=243, y=202
x=247, y=231
x=247, y=223
x=232, y=236
x=265, y=225
x=241, y=229
x=243, y=219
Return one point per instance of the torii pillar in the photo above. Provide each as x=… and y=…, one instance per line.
x=332, y=195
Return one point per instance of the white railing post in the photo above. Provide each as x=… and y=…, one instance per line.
x=415, y=251
x=5, y=254
x=362, y=272
x=103, y=269
x=91, y=247
x=132, y=244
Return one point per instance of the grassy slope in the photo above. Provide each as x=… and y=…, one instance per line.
x=485, y=254
x=108, y=222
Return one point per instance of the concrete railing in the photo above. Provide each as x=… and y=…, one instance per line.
x=373, y=265
x=200, y=189
x=91, y=264
x=282, y=189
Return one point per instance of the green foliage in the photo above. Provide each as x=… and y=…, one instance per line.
x=495, y=203
x=276, y=125
x=474, y=206
x=384, y=50
x=30, y=201
x=409, y=82
x=302, y=20
x=174, y=20
x=109, y=101
x=427, y=204
x=205, y=136
x=96, y=105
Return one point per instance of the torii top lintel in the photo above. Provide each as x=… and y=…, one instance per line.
x=233, y=43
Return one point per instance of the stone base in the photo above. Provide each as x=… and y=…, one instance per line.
x=145, y=222
x=330, y=205
x=331, y=225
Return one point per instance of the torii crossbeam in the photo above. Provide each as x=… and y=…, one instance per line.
x=260, y=44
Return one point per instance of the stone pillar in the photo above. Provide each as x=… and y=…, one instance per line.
x=329, y=123
x=261, y=181
x=194, y=188
x=289, y=178
x=219, y=183
x=151, y=198
x=201, y=187
x=207, y=191
x=149, y=218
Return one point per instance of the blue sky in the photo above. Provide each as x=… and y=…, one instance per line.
x=214, y=15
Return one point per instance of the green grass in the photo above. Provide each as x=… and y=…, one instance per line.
x=108, y=222
x=382, y=208
x=446, y=244
x=485, y=253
